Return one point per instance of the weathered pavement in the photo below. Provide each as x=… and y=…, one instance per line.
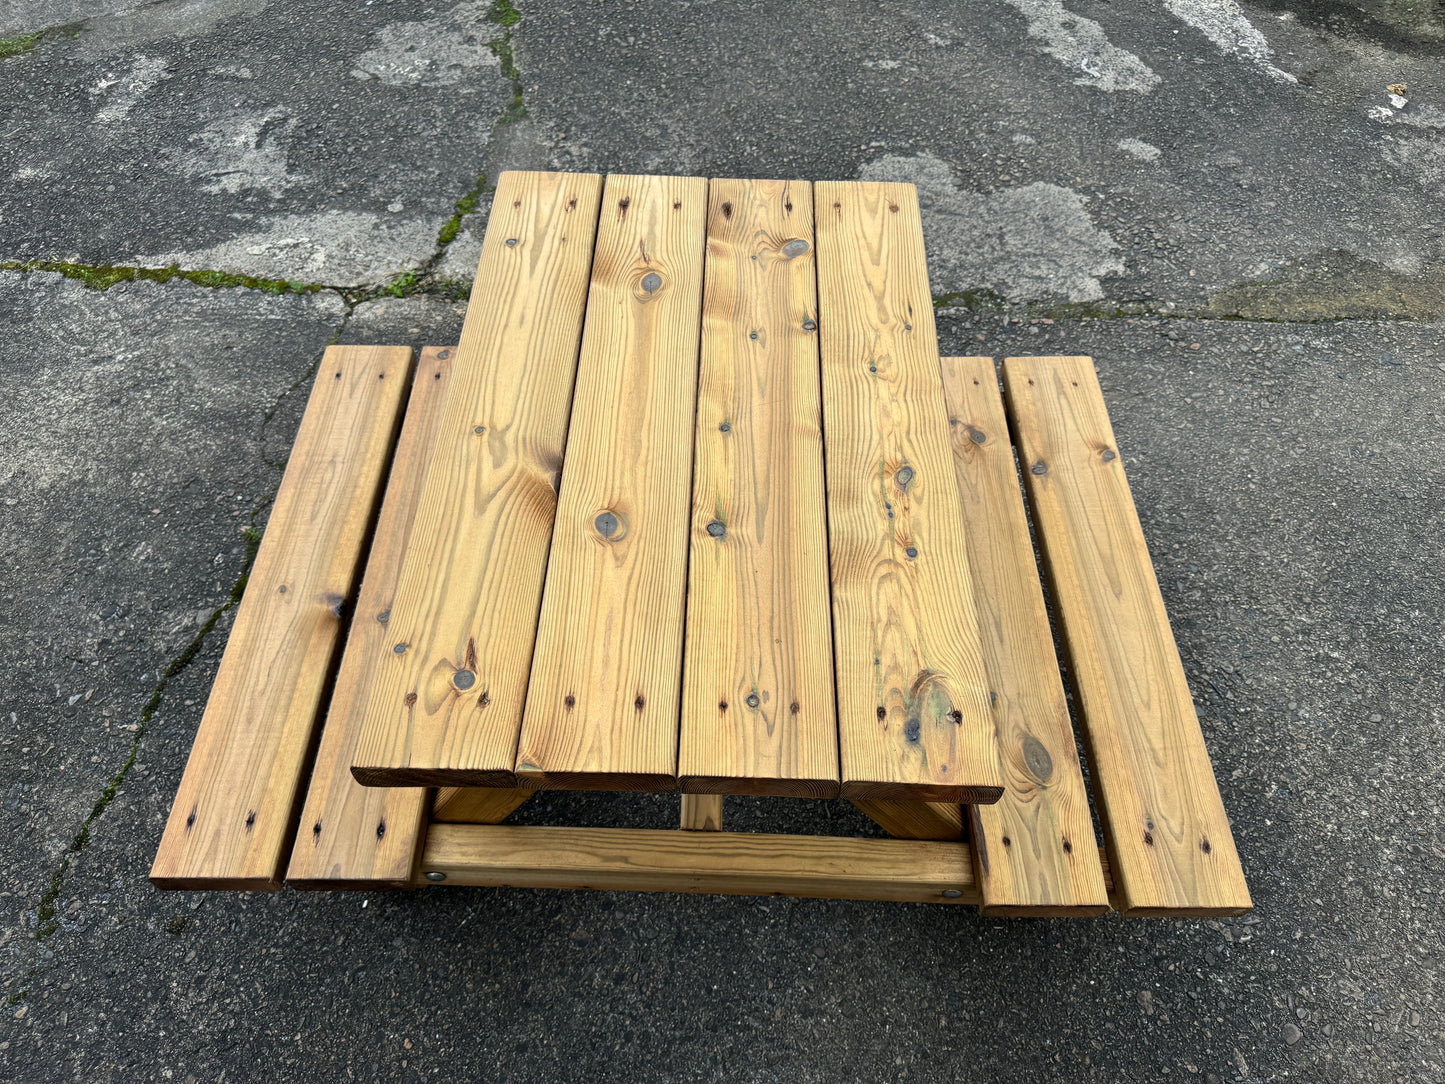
x=1223, y=205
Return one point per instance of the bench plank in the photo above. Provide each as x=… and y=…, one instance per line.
x=602, y=708
x=913, y=717
x=233, y=817
x=446, y=703
x=758, y=713
x=352, y=836
x=668, y=860
x=1169, y=841
x=1034, y=850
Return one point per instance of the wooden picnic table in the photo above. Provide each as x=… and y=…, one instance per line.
x=695, y=506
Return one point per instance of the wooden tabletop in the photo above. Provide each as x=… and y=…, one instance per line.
x=691, y=519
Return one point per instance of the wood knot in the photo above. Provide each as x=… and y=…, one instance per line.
x=381, y=831
x=570, y=702
x=639, y=703
x=727, y=210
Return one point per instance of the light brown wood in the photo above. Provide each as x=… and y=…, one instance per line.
x=233, y=817
x=477, y=805
x=916, y=820
x=446, y=702
x=702, y=812
x=673, y=861
x=1034, y=850
x=602, y=709
x=1169, y=840
x=913, y=716
x=352, y=836
x=758, y=713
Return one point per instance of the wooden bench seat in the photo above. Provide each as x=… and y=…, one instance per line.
x=696, y=506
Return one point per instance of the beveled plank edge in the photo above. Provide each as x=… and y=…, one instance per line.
x=629, y=782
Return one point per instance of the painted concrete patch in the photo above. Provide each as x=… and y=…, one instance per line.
x=435, y=52
x=243, y=151
x=1137, y=148
x=1416, y=146
x=1030, y=243
x=1223, y=23
x=334, y=248
x=1081, y=45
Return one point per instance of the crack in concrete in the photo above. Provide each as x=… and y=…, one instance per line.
x=46, y=918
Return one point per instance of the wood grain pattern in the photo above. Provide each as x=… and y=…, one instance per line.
x=671, y=861
x=916, y=820
x=1169, y=840
x=1034, y=850
x=477, y=805
x=702, y=812
x=446, y=703
x=758, y=712
x=233, y=817
x=913, y=716
x=602, y=709
x=352, y=836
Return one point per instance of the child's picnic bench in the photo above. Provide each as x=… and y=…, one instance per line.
x=695, y=506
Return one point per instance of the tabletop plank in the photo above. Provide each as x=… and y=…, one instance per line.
x=1169, y=840
x=602, y=708
x=913, y=716
x=758, y=712
x=369, y=837
x=446, y=702
x=1034, y=850
x=233, y=817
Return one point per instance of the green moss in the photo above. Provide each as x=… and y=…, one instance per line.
x=20, y=43
x=463, y=207
x=504, y=14
x=104, y=276
x=1333, y=285
x=404, y=285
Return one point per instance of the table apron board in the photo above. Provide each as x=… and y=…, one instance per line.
x=696, y=506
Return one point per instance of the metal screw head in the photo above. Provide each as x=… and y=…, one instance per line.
x=810, y=324
x=726, y=427
x=1039, y=468
x=652, y=282
x=511, y=242
x=399, y=649
x=716, y=529
x=479, y=430
x=606, y=524
x=464, y=679
x=753, y=701
x=442, y=355
x=384, y=616
x=794, y=249
x=437, y=876
x=905, y=476
x=1108, y=456
x=948, y=893
x=912, y=552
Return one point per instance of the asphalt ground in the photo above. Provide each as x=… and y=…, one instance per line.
x=1224, y=205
